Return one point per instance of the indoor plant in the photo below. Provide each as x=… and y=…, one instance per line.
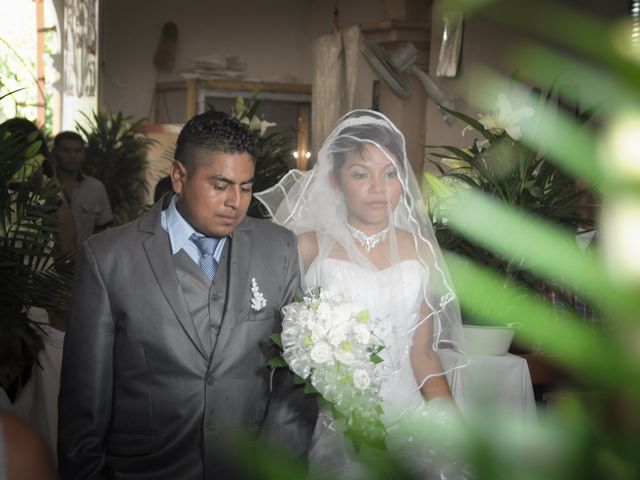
x=117, y=156
x=273, y=149
x=32, y=273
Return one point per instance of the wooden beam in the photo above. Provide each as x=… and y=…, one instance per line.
x=40, y=32
x=234, y=85
x=191, y=99
x=304, y=121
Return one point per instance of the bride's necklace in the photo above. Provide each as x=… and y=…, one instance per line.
x=367, y=241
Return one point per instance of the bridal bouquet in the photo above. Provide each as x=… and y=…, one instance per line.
x=329, y=344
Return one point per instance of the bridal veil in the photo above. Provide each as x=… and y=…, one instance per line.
x=309, y=202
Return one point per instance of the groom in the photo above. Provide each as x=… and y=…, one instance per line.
x=167, y=341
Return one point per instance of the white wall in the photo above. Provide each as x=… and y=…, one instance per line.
x=274, y=37
x=488, y=45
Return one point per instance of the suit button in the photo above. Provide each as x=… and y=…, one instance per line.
x=210, y=379
x=215, y=297
x=216, y=329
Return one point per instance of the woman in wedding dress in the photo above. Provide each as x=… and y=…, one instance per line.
x=363, y=231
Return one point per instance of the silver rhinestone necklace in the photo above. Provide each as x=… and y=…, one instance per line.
x=367, y=241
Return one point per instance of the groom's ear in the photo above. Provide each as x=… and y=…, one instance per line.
x=178, y=175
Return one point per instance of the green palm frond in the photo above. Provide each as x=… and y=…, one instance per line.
x=117, y=156
x=32, y=274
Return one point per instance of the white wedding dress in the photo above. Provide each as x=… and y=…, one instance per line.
x=393, y=296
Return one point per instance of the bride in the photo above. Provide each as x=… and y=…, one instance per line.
x=364, y=231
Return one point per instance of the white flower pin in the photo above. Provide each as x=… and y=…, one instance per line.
x=258, y=302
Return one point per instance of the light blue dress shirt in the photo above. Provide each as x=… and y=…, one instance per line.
x=180, y=231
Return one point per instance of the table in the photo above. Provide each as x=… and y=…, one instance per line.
x=500, y=383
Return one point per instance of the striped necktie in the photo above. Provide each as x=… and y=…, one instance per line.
x=206, y=246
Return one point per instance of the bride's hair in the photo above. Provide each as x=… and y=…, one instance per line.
x=356, y=138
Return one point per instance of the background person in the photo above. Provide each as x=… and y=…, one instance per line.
x=86, y=195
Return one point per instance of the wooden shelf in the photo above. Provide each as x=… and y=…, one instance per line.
x=236, y=85
x=296, y=91
x=197, y=90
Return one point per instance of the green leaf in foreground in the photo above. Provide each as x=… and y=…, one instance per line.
x=542, y=248
x=589, y=352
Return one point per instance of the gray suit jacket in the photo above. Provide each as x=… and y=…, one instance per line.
x=139, y=397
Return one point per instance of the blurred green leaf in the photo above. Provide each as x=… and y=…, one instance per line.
x=117, y=156
x=277, y=339
x=541, y=247
x=571, y=339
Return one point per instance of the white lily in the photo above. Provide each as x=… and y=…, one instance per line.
x=504, y=118
x=256, y=124
x=456, y=163
x=262, y=125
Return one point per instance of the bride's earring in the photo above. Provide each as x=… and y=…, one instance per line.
x=339, y=197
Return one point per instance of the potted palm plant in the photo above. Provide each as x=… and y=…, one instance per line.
x=117, y=156
x=521, y=177
x=32, y=272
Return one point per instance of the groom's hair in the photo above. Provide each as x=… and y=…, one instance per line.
x=215, y=132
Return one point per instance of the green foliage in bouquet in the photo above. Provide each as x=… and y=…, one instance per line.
x=32, y=274
x=274, y=149
x=117, y=156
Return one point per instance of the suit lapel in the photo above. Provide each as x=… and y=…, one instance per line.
x=238, y=279
x=158, y=251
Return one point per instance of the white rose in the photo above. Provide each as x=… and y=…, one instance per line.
x=318, y=329
x=324, y=312
x=321, y=353
x=326, y=294
x=345, y=311
x=361, y=333
x=329, y=324
x=361, y=379
x=344, y=356
x=337, y=333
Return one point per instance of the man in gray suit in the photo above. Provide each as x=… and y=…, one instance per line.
x=167, y=341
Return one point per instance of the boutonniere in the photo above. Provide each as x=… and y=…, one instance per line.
x=258, y=302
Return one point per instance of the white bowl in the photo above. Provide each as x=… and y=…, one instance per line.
x=488, y=340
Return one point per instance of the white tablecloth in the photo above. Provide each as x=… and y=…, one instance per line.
x=501, y=383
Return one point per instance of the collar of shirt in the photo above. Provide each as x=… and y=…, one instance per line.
x=79, y=177
x=180, y=231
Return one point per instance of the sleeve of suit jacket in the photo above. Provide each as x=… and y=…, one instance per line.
x=291, y=415
x=86, y=379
